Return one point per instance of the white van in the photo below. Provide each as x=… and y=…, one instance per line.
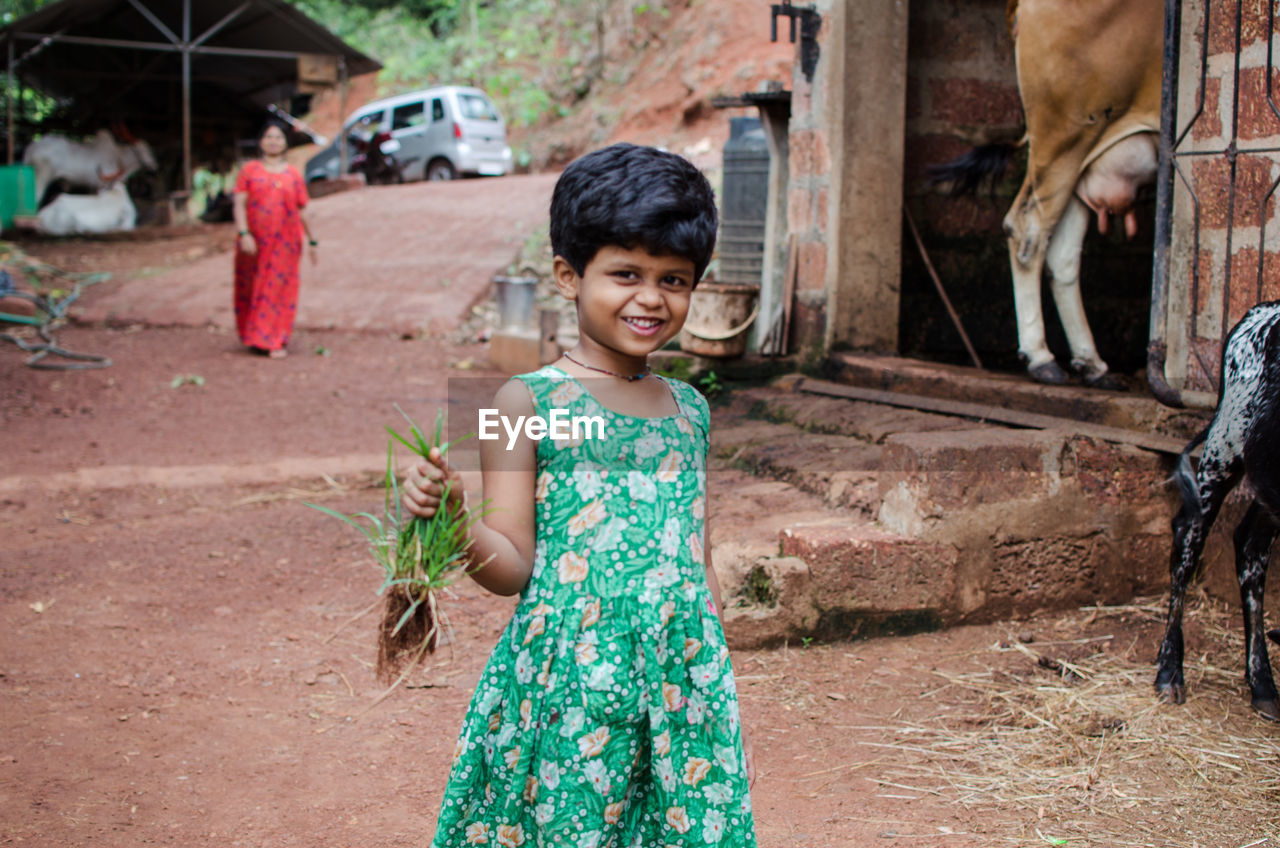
x=442, y=133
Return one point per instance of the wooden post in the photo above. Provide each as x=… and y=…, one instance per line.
x=10, y=94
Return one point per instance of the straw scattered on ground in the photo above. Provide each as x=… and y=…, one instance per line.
x=1092, y=756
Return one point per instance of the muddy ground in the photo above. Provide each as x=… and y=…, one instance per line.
x=187, y=652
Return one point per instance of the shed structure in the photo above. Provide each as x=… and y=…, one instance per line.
x=184, y=72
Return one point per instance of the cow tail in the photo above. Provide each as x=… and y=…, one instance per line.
x=967, y=173
x=1185, y=476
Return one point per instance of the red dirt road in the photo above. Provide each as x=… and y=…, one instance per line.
x=184, y=660
x=388, y=259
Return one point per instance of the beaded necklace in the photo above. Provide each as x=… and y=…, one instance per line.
x=630, y=378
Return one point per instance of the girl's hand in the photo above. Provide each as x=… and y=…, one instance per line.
x=424, y=485
x=248, y=245
x=751, y=761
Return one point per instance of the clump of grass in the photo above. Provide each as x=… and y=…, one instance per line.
x=420, y=558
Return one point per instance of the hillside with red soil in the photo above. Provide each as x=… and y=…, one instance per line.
x=656, y=85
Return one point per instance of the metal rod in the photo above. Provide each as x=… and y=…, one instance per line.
x=155, y=22
x=1157, y=346
x=942, y=292
x=10, y=92
x=1262, y=240
x=157, y=45
x=342, y=116
x=1271, y=32
x=186, y=95
x=1233, y=166
x=216, y=28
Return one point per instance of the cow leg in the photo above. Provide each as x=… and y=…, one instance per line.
x=1202, y=496
x=1254, y=536
x=1027, y=247
x=1046, y=191
x=1063, y=260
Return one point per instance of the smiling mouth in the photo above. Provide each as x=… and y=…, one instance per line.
x=643, y=325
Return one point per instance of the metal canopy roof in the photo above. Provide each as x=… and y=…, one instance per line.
x=168, y=66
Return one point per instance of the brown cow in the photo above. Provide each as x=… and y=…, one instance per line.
x=1089, y=78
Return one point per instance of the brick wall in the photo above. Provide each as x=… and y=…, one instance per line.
x=1226, y=238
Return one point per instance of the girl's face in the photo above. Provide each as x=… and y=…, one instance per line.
x=273, y=142
x=630, y=302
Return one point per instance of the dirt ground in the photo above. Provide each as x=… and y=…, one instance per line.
x=188, y=649
x=187, y=652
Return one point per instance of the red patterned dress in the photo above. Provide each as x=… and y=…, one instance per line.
x=266, y=290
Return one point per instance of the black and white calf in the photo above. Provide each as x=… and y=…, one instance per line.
x=1243, y=438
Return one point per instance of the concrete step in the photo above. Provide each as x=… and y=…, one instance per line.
x=1134, y=410
x=814, y=413
x=940, y=478
x=840, y=470
x=840, y=518
x=791, y=568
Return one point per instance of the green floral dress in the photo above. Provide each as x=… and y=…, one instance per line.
x=607, y=716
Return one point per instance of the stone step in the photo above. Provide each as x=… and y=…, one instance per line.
x=882, y=520
x=945, y=477
x=853, y=454
x=1134, y=410
x=840, y=470
x=814, y=413
x=791, y=568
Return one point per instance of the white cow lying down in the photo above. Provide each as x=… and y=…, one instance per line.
x=108, y=210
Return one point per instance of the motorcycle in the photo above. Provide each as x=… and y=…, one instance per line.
x=375, y=157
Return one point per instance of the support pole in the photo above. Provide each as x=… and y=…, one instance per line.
x=186, y=96
x=10, y=93
x=864, y=74
x=342, y=116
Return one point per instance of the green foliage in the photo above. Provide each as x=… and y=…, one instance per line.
x=535, y=58
x=678, y=368
x=34, y=106
x=15, y=9
x=425, y=9
x=710, y=384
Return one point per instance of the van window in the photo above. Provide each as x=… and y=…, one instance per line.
x=366, y=125
x=437, y=110
x=408, y=115
x=477, y=108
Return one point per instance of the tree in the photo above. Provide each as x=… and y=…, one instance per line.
x=12, y=10
x=427, y=10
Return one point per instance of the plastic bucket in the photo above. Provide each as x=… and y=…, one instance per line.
x=720, y=314
x=17, y=193
x=515, y=297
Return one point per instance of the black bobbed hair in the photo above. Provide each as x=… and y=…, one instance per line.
x=633, y=197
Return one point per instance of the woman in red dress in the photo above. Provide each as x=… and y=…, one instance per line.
x=270, y=197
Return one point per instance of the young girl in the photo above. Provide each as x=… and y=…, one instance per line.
x=607, y=714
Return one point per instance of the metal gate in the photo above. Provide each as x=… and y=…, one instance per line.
x=1217, y=236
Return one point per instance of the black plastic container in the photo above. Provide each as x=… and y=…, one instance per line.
x=743, y=201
